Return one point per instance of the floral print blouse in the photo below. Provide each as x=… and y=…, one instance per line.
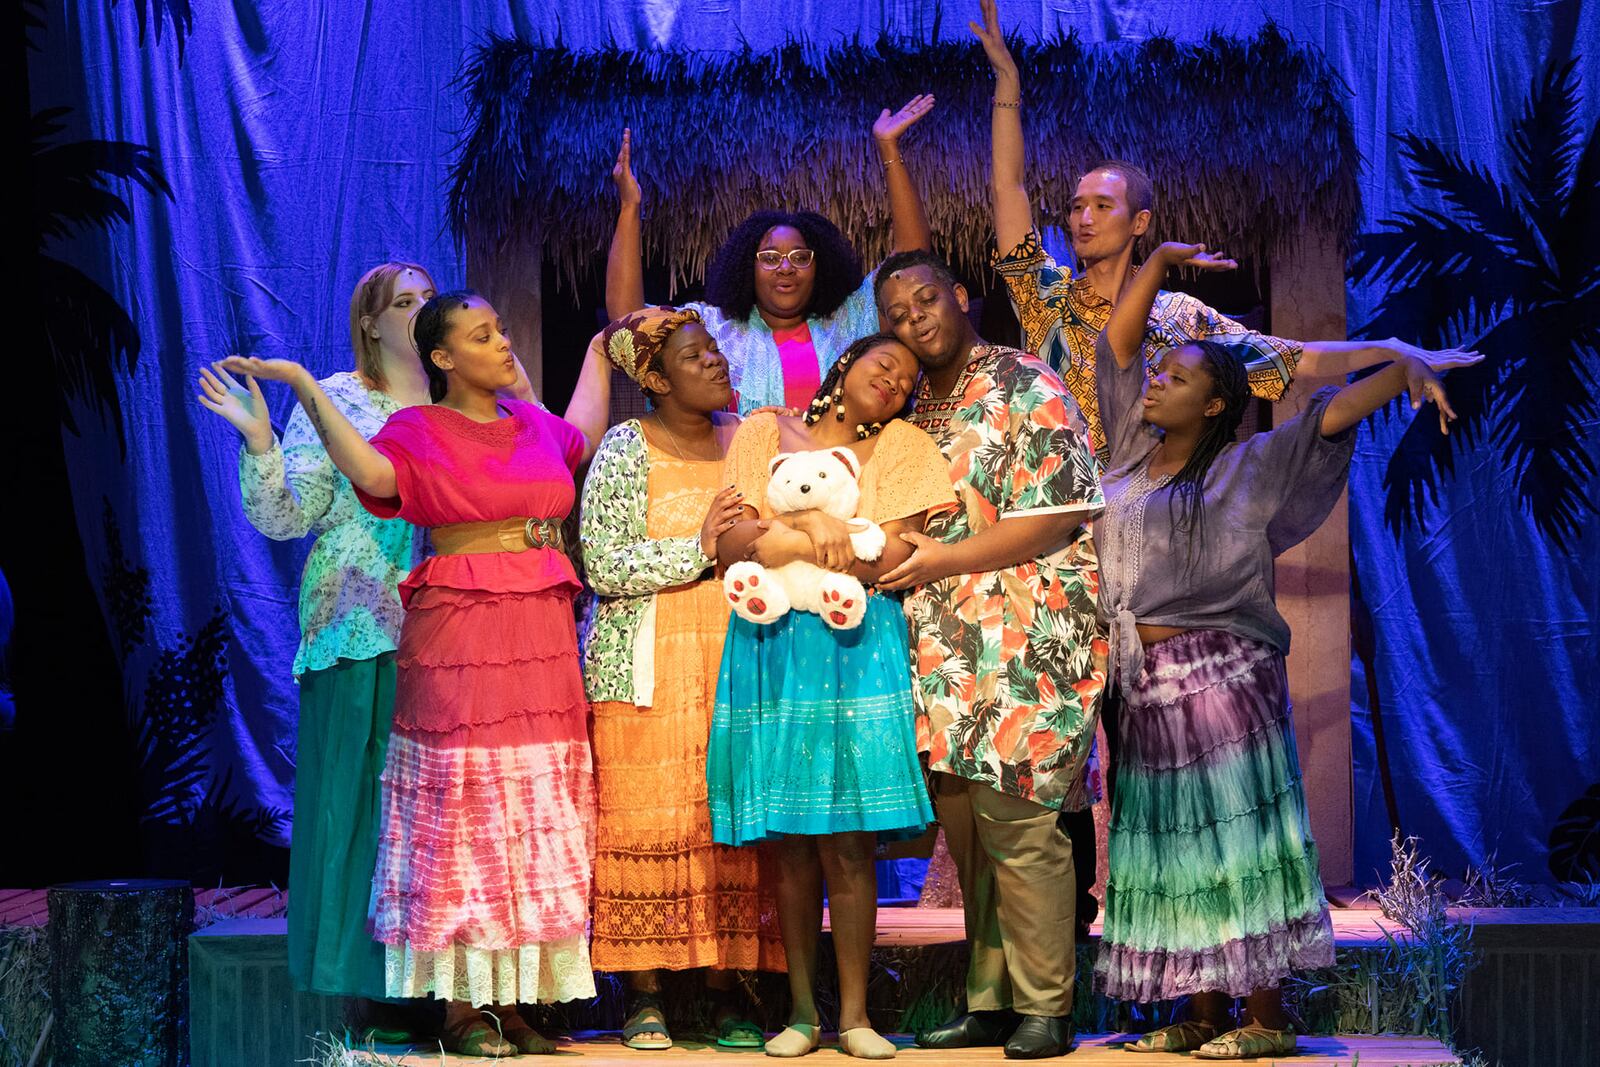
x=625, y=567
x=350, y=589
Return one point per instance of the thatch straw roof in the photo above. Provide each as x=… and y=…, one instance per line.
x=1248, y=141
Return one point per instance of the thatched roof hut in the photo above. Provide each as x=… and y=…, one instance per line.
x=1249, y=141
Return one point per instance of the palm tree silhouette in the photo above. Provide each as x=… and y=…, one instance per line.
x=1508, y=269
x=88, y=332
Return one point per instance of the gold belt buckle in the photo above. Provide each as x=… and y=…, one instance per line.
x=533, y=533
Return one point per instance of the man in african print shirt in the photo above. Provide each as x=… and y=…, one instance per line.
x=1009, y=660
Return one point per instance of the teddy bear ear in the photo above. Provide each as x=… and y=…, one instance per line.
x=777, y=461
x=845, y=456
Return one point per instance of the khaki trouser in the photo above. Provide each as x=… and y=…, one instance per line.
x=1018, y=891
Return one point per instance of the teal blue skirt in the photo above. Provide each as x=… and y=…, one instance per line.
x=345, y=715
x=813, y=731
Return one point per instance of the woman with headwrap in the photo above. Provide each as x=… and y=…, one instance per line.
x=666, y=897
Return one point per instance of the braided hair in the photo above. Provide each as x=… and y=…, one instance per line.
x=1231, y=383
x=432, y=324
x=831, y=393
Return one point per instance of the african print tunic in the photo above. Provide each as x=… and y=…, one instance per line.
x=1061, y=316
x=1010, y=663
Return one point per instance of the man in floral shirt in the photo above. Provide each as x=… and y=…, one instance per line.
x=1009, y=660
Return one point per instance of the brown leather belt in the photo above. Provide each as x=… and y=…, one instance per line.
x=501, y=535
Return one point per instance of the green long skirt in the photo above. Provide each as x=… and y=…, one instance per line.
x=345, y=714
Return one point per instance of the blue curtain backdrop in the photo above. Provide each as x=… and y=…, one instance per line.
x=306, y=142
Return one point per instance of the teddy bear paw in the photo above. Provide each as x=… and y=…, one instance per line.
x=754, y=594
x=844, y=602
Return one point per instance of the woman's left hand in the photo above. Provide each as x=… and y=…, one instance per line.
x=1424, y=385
x=889, y=127
x=929, y=561
x=830, y=538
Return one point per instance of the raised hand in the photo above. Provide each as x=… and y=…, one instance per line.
x=273, y=370
x=1177, y=254
x=727, y=508
x=242, y=405
x=889, y=127
x=993, y=41
x=628, y=191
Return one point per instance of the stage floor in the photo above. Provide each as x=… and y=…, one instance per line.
x=1097, y=1050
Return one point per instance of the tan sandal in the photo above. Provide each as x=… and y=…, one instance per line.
x=1179, y=1037
x=1247, y=1043
x=796, y=1039
x=865, y=1043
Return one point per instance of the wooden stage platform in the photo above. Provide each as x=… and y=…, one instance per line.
x=1533, y=1000
x=1097, y=1050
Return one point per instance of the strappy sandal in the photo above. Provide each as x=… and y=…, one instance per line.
x=734, y=1029
x=646, y=1028
x=865, y=1043
x=475, y=1037
x=796, y=1039
x=1247, y=1043
x=1179, y=1037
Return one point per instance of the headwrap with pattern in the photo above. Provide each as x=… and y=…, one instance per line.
x=631, y=342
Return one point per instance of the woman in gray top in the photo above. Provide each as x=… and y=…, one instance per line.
x=1213, y=890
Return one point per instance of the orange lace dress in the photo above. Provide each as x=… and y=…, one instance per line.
x=665, y=895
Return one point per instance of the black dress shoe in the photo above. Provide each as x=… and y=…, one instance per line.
x=975, y=1029
x=1038, y=1036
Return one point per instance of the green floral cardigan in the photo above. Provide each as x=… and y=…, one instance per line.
x=626, y=568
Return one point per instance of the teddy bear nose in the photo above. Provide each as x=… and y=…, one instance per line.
x=805, y=489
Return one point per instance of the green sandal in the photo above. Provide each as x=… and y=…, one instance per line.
x=734, y=1029
x=1247, y=1043
x=1179, y=1037
x=646, y=1028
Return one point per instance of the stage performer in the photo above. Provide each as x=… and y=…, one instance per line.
x=349, y=627
x=1213, y=890
x=655, y=503
x=1062, y=312
x=813, y=745
x=482, y=886
x=1009, y=659
x=785, y=294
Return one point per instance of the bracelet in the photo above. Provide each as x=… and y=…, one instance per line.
x=887, y=163
x=1013, y=104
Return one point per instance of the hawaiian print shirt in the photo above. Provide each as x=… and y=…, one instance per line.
x=1010, y=663
x=350, y=590
x=1061, y=316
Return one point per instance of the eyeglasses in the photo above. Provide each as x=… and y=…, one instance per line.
x=798, y=258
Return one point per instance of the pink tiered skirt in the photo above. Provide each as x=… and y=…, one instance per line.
x=484, y=858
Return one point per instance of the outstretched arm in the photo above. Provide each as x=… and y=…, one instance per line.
x=1325, y=359
x=1124, y=331
x=1359, y=399
x=1013, y=216
x=907, y=220
x=368, y=469
x=625, y=261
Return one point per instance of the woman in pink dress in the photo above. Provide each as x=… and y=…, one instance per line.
x=482, y=886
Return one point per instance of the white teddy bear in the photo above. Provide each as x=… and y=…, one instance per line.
x=809, y=481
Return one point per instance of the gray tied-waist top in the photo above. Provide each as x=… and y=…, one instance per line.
x=1263, y=496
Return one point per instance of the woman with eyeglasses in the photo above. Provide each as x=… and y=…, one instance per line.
x=785, y=295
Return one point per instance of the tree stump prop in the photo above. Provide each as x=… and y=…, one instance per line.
x=119, y=977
